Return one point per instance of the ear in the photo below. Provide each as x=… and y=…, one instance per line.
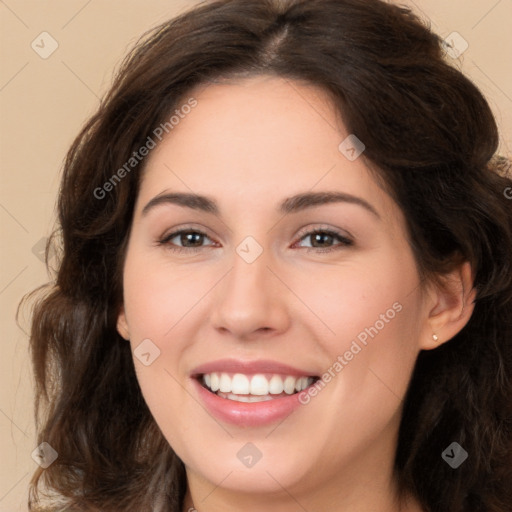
x=450, y=307
x=122, y=324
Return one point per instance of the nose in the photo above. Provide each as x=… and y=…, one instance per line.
x=251, y=300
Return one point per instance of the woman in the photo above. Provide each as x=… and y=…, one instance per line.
x=248, y=371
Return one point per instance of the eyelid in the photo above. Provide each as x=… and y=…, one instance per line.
x=346, y=239
x=303, y=231
x=324, y=227
x=185, y=227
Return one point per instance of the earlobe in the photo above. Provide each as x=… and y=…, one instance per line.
x=122, y=325
x=452, y=309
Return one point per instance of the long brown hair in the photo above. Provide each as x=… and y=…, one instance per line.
x=431, y=139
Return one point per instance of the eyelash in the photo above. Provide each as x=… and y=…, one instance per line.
x=175, y=248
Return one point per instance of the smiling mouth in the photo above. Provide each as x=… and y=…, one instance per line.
x=259, y=387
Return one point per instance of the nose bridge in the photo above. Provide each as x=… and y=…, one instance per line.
x=250, y=297
x=249, y=279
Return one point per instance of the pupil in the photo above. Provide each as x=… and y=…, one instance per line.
x=320, y=235
x=193, y=235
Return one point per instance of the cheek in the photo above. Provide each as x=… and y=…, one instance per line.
x=157, y=300
x=157, y=296
x=349, y=299
x=368, y=322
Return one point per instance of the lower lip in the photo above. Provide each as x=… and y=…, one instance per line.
x=247, y=414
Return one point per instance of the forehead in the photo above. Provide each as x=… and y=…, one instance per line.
x=255, y=141
x=260, y=119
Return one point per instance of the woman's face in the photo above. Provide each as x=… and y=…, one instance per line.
x=254, y=294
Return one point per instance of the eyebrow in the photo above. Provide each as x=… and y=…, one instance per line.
x=291, y=204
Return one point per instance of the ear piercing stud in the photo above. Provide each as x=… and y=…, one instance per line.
x=435, y=337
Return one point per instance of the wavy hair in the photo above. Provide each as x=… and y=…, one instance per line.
x=430, y=138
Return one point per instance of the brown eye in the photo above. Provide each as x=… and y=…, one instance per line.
x=326, y=236
x=185, y=237
x=192, y=240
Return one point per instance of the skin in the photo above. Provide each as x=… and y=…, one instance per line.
x=249, y=145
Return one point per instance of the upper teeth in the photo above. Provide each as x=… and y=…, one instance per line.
x=258, y=384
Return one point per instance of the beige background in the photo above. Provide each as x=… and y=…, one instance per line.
x=43, y=103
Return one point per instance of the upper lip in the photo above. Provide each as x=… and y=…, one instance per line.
x=249, y=367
